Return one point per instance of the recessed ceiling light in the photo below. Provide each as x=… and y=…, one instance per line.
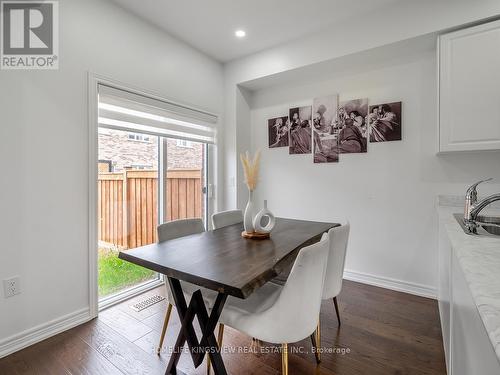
x=240, y=33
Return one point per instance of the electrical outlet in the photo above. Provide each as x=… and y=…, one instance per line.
x=11, y=286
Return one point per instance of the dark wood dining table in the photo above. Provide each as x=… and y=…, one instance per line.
x=223, y=261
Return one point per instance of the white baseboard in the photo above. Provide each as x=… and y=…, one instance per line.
x=43, y=331
x=393, y=284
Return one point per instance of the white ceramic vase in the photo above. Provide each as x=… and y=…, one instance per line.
x=257, y=221
x=248, y=217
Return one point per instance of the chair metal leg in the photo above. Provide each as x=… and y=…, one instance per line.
x=336, y=308
x=317, y=342
x=219, y=341
x=284, y=359
x=164, y=330
x=220, y=336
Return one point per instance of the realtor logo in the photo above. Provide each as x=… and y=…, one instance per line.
x=29, y=35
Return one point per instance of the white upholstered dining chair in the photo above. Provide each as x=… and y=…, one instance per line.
x=220, y=220
x=179, y=228
x=226, y=218
x=169, y=231
x=265, y=314
x=339, y=238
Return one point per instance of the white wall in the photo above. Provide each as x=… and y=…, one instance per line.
x=44, y=149
x=389, y=193
x=408, y=19
x=389, y=198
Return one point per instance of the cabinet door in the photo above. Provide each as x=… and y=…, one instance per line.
x=472, y=350
x=469, y=89
x=444, y=290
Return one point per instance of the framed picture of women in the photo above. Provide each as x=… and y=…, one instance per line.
x=277, y=129
x=384, y=121
x=352, y=127
x=300, y=130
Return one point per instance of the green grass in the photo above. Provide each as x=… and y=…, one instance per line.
x=116, y=274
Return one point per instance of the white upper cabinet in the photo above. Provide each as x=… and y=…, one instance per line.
x=469, y=89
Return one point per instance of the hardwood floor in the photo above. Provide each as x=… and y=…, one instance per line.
x=383, y=332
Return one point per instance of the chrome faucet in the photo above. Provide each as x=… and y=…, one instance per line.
x=471, y=198
x=473, y=207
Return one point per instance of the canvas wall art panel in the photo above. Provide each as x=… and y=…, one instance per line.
x=324, y=138
x=300, y=128
x=278, y=132
x=385, y=122
x=352, y=126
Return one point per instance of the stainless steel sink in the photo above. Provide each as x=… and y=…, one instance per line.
x=494, y=221
x=489, y=225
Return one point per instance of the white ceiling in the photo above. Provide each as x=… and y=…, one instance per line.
x=209, y=25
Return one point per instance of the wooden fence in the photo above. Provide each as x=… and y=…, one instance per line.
x=128, y=204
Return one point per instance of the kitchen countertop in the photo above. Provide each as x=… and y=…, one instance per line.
x=479, y=258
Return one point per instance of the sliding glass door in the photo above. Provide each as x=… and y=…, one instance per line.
x=143, y=180
x=148, y=173
x=127, y=206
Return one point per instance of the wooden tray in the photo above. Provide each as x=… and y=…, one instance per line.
x=255, y=235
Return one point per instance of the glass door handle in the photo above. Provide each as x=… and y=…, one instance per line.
x=208, y=190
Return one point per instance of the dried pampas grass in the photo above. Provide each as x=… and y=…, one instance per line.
x=251, y=169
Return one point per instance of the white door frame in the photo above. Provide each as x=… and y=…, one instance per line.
x=93, y=81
